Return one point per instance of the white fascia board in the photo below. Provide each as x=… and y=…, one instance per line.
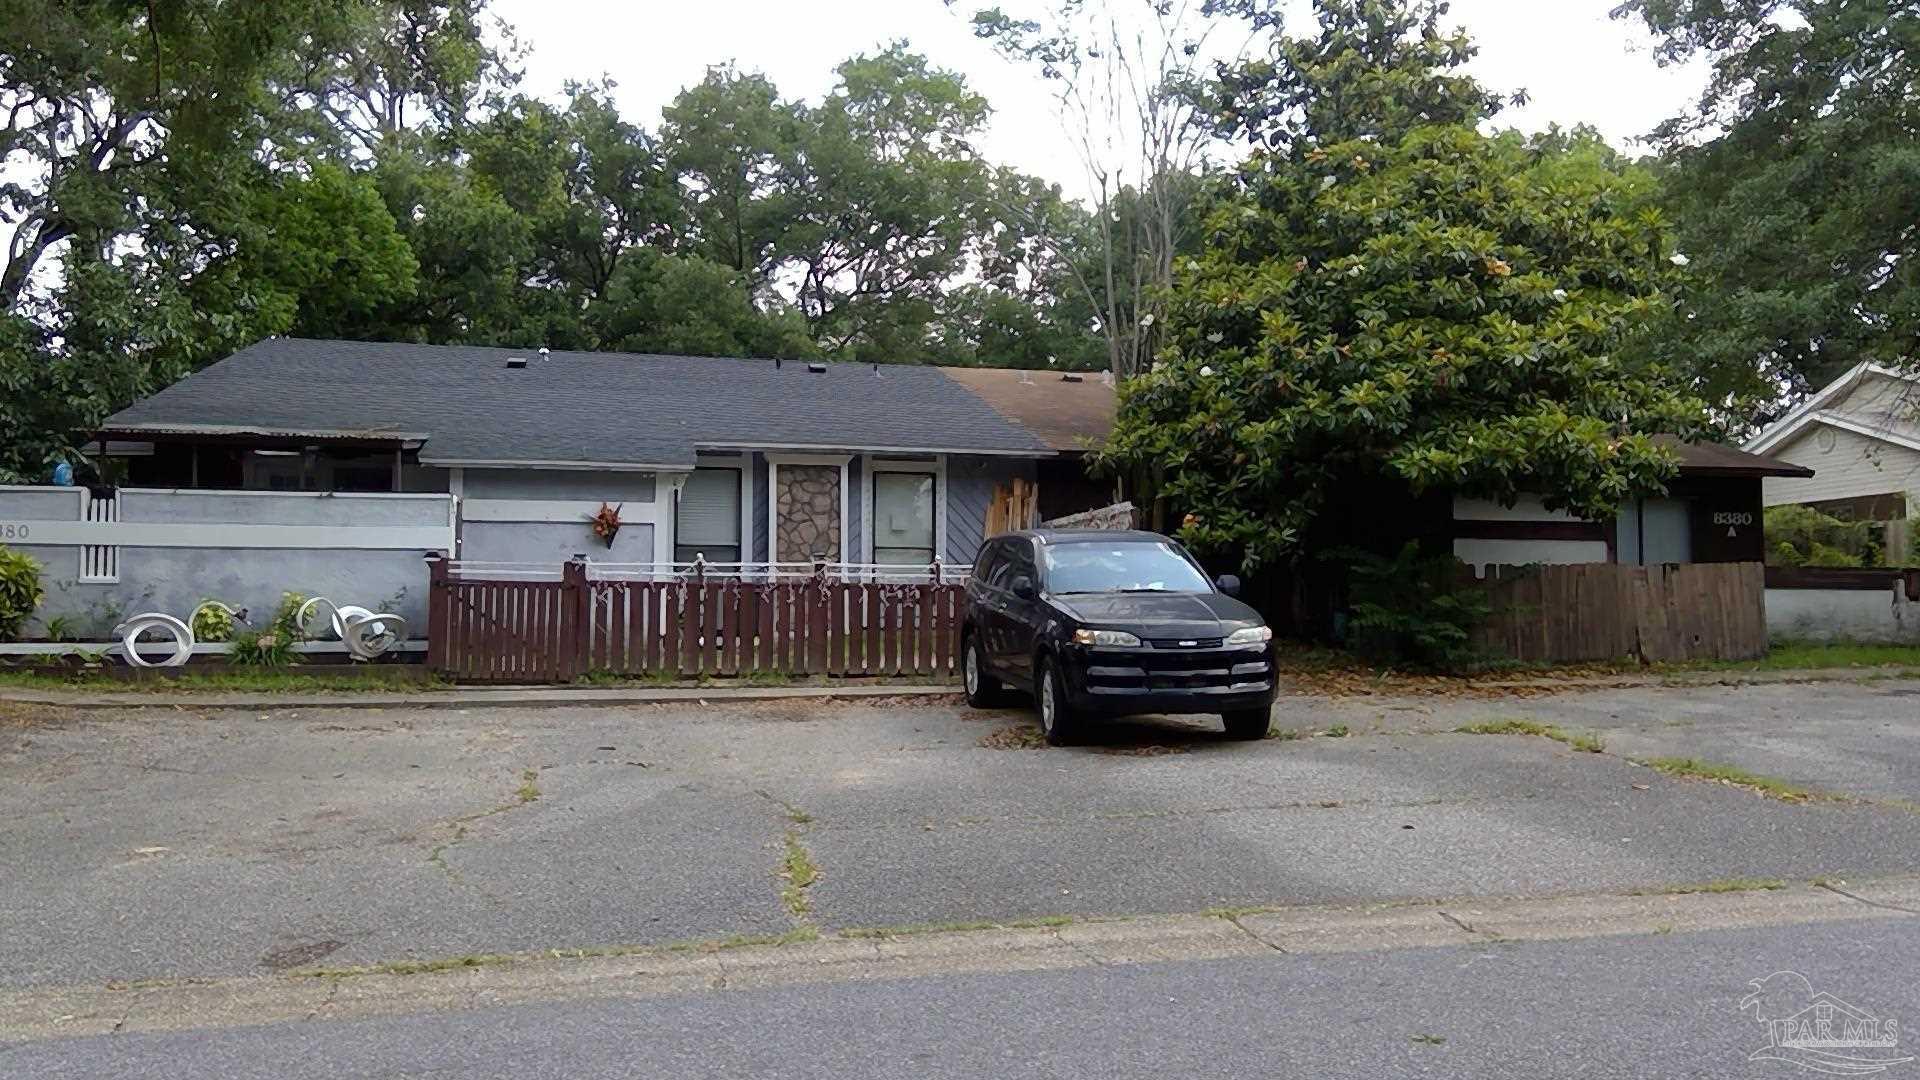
x=265, y=431
x=1847, y=423
x=508, y=463
x=804, y=448
x=1802, y=414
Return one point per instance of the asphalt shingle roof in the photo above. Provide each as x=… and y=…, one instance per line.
x=573, y=407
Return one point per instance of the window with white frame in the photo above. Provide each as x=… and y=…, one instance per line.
x=707, y=517
x=904, y=518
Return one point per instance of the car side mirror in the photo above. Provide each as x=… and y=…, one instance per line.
x=1228, y=584
x=1022, y=587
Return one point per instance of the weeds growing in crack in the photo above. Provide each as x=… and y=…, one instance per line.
x=1718, y=885
x=1581, y=741
x=1732, y=776
x=527, y=792
x=797, y=874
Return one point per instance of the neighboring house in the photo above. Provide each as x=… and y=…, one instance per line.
x=737, y=461
x=1862, y=434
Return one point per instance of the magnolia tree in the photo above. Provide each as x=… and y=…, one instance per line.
x=1389, y=294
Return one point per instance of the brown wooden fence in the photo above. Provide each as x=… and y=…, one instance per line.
x=496, y=630
x=1605, y=611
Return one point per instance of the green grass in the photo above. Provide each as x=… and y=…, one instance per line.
x=1696, y=769
x=1337, y=731
x=1816, y=656
x=1581, y=741
x=382, y=679
x=1425, y=1039
x=1718, y=885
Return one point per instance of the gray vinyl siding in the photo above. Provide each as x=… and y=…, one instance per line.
x=559, y=484
x=853, y=540
x=970, y=484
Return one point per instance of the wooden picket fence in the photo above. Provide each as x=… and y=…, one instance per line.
x=1608, y=611
x=507, y=630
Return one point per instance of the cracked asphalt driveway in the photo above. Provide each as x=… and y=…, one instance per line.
x=151, y=844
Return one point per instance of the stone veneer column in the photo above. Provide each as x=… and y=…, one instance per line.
x=807, y=513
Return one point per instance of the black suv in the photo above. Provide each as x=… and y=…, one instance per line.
x=1109, y=622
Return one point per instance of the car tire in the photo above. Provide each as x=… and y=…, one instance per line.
x=1058, y=720
x=1248, y=724
x=983, y=690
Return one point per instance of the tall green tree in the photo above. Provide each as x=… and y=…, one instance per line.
x=1795, y=183
x=1386, y=301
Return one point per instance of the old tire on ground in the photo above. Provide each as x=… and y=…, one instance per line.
x=983, y=690
x=1247, y=724
x=1058, y=721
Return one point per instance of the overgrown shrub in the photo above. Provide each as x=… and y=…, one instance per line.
x=20, y=592
x=1413, y=609
x=261, y=648
x=1804, y=536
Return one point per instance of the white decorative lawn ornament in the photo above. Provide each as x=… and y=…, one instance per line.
x=129, y=633
x=366, y=634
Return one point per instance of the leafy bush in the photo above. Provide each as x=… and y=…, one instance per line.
x=1804, y=536
x=286, y=618
x=261, y=648
x=20, y=592
x=212, y=622
x=1413, y=609
x=60, y=628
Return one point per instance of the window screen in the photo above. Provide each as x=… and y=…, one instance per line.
x=708, y=519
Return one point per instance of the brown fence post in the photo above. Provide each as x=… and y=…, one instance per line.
x=437, y=604
x=576, y=616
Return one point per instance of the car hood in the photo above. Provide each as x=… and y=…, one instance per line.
x=1160, y=615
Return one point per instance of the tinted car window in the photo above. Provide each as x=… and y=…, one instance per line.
x=1019, y=560
x=1121, y=566
x=983, y=564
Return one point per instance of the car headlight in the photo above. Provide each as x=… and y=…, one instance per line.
x=1104, y=637
x=1251, y=635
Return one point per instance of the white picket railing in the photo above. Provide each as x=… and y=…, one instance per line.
x=884, y=573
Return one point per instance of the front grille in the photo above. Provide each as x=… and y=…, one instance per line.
x=1186, y=643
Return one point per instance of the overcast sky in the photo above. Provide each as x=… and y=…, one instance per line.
x=1578, y=65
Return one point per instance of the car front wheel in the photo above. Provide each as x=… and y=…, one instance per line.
x=1058, y=722
x=1248, y=723
x=983, y=690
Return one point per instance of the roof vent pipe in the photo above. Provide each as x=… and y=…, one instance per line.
x=543, y=353
x=776, y=363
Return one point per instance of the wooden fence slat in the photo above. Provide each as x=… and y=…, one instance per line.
x=503, y=631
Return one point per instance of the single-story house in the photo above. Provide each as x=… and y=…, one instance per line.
x=735, y=461
x=1711, y=513
x=1862, y=432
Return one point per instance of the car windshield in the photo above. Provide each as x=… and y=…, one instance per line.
x=1122, y=566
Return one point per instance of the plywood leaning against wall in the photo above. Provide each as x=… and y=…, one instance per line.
x=1603, y=611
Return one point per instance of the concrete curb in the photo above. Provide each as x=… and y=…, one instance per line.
x=568, y=975
x=526, y=697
